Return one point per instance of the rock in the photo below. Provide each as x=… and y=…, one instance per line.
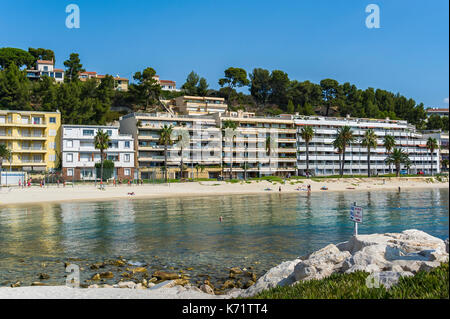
x=140, y=286
x=234, y=293
x=106, y=275
x=96, y=277
x=446, y=245
x=235, y=270
x=127, y=284
x=139, y=269
x=181, y=282
x=281, y=275
x=228, y=284
x=43, y=276
x=97, y=265
x=429, y=265
x=93, y=286
x=118, y=263
x=16, y=284
x=37, y=283
x=190, y=268
x=108, y=286
x=249, y=283
x=208, y=283
x=126, y=275
x=151, y=284
x=321, y=263
x=164, y=284
x=144, y=282
x=165, y=275
x=207, y=289
x=153, y=280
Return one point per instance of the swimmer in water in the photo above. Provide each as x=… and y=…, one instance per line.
x=220, y=218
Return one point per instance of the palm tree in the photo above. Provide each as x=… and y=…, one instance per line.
x=397, y=157
x=4, y=153
x=432, y=145
x=101, y=142
x=337, y=144
x=307, y=134
x=200, y=168
x=370, y=141
x=445, y=163
x=389, y=144
x=269, y=152
x=346, y=137
x=165, y=138
x=228, y=124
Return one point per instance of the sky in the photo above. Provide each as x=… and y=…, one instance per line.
x=309, y=40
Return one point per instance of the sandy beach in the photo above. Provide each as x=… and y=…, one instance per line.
x=36, y=194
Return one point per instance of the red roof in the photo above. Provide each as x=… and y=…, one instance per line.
x=44, y=62
x=88, y=73
x=58, y=70
x=437, y=110
x=167, y=81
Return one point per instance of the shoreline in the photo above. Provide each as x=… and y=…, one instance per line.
x=36, y=195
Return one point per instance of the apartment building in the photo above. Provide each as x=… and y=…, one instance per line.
x=324, y=159
x=32, y=137
x=45, y=68
x=442, y=139
x=120, y=83
x=199, y=105
x=437, y=111
x=197, y=142
x=258, y=146
x=79, y=154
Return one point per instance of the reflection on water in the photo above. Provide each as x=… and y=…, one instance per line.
x=186, y=232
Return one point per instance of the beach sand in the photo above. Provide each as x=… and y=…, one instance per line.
x=36, y=194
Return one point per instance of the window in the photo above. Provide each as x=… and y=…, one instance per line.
x=127, y=144
x=52, y=145
x=53, y=120
x=52, y=157
x=127, y=157
x=109, y=132
x=45, y=68
x=52, y=133
x=69, y=143
x=69, y=157
x=88, y=132
x=127, y=172
x=36, y=120
x=70, y=172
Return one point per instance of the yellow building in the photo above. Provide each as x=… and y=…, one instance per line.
x=33, y=138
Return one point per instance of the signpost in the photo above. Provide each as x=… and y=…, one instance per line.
x=356, y=215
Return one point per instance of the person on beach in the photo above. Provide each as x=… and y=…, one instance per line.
x=57, y=182
x=279, y=189
x=220, y=218
x=20, y=183
x=309, y=188
x=64, y=183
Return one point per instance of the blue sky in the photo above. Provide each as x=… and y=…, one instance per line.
x=310, y=40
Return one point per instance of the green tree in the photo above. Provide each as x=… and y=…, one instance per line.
x=234, y=78
x=330, y=91
x=73, y=67
x=397, y=157
x=14, y=89
x=147, y=90
x=369, y=141
x=435, y=122
x=190, y=86
x=290, y=107
x=279, y=83
x=389, y=144
x=101, y=142
x=307, y=134
x=108, y=169
x=345, y=138
x=165, y=138
x=432, y=145
x=4, y=153
x=15, y=56
x=41, y=54
x=202, y=88
x=260, y=85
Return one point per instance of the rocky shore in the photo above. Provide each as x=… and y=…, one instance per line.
x=390, y=256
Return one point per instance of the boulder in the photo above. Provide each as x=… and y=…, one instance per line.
x=162, y=275
x=127, y=284
x=138, y=270
x=43, y=276
x=207, y=289
x=429, y=265
x=235, y=270
x=281, y=275
x=106, y=274
x=446, y=245
x=386, y=278
x=37, y=283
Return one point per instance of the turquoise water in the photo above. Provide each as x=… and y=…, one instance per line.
x=176, y=233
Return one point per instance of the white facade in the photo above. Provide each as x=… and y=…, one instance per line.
x=324, y=159
x=46, y=68
x=78, y=150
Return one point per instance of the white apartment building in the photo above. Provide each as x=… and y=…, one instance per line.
x=46, y=68
x=199, y=105
x=324, y=159
x=259, y=145
x=200, y=144
x=79, y=154
x=443, y=142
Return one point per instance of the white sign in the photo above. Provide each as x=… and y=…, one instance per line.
x=356, y=214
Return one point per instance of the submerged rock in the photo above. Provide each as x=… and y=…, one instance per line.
x=44, y=276
x=162, y=275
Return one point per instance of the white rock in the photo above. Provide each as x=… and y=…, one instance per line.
x=281, y=275
x=207, y=289
x=127, y=284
